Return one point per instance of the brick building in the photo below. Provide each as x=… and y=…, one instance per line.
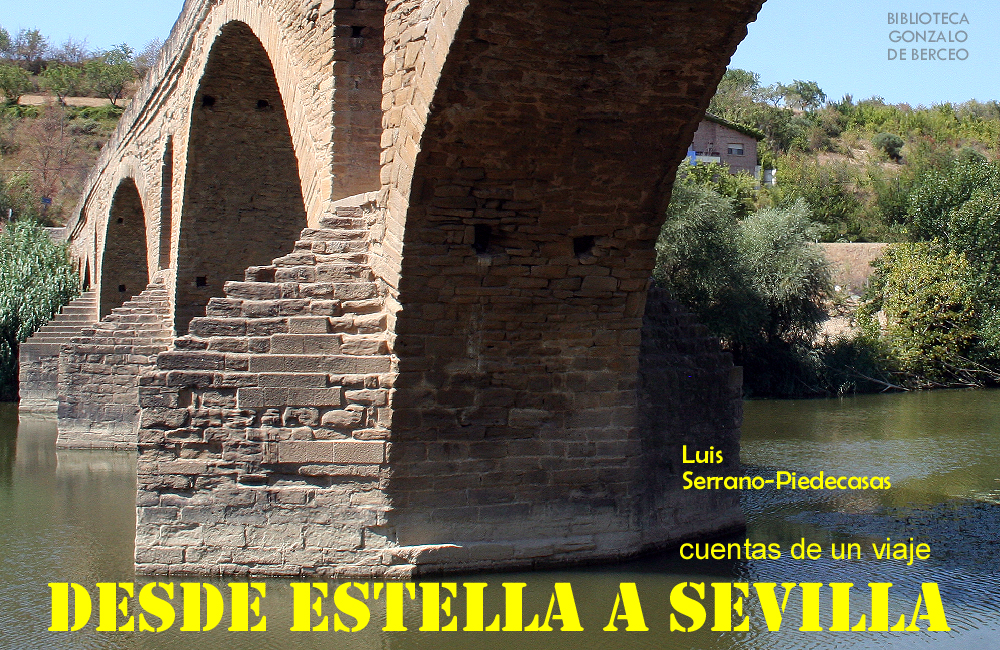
x=729, y=143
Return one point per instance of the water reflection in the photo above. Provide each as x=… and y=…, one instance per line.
x=69, y=516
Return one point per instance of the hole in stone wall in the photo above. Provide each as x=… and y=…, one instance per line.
x=201, y=281
x=121, y=288
x=263, y=104
x=481, y=242
x=207, y=101
x=357, y=31
x=121, y=219
x=583, y=245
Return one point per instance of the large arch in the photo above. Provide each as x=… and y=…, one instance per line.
x=124, y=263
x=243, y=202
x=535, y=196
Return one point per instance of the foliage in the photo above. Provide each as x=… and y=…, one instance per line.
x=62, y=80
x=143, y=61
x=831, y=192
x=739, y=187
x=14, y=82
x=786, y=270
x=36, y=279
x=30, y=47
x=757, y=283
x=928, y=298
x=803, y=95
x=111, y=71
x=890, y=143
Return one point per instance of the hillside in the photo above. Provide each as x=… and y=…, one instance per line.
x=854, y=162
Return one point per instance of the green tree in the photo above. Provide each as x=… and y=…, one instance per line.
x=62, y=80
x=14, y=82
x=4, y=41
x=740, y=187
x=756, y=283
x=111, y=72
x=36, y=279
x=786, y=270
x=805, y=95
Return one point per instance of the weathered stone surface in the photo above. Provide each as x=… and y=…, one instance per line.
x=38, y=357
x=98, y=388
x=463, y=366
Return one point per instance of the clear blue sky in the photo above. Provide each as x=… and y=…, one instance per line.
x=844, y=46
x=104, y=23
x=841, y=44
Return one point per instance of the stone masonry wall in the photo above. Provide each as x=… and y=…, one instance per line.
x=690, y=395
x=263, y=437
x=38, y=357
x=526, y=184
x=99, y=369
x=264, y=447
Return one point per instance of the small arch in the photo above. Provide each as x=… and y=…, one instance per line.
x=86, y=275
x=124, y=270
x=243, y=204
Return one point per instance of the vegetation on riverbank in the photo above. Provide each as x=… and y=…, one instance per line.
x=36, y=279
x=924, y=178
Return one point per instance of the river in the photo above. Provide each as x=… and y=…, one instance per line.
x=68, y=516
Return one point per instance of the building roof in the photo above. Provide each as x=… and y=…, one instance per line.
x=753, y=132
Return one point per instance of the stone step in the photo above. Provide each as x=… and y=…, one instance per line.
x=75, y=318
x=57, y=327
x=334, y=234
x=82, y=310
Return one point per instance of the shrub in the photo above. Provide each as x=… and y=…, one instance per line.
x=757, y=283
x=786, y=270
x=36, y=279
x=928, y=298
x=890, y=143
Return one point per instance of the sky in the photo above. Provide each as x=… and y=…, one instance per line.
x=843, y=45
x=103, y=23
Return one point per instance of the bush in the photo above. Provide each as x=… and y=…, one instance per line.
x=939, y=191
x=928, y=298
x=36, y=279
x=786, y=270
x=697, y=259
x=757, y=283
x=740, y=188
x=890, y=143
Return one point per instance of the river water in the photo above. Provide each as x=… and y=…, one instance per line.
x=68, y=516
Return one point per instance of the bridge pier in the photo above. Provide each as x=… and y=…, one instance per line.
x=266, y=447
x=99, y=368
x=38, y=362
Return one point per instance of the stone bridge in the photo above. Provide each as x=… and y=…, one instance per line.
x=373, y=287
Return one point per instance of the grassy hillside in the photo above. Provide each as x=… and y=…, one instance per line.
x=854, y=162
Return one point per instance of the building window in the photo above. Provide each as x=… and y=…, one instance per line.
x=735, y=149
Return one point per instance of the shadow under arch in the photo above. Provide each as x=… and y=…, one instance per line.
x=243, y=203
x=124, y=265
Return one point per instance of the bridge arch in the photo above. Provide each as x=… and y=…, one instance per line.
x=242, y=203
x=528, y=199
x=125, y=258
